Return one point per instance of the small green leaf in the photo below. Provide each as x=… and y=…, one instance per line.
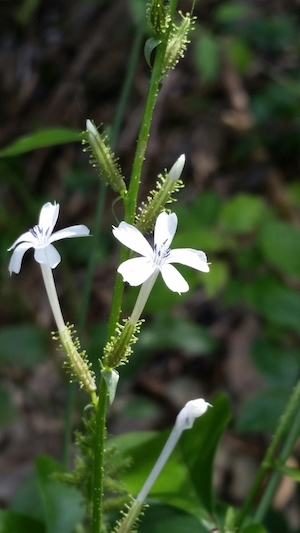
x=111, y=378
x=22, y=345
x=239, y=54
x=254, y=528
x=242, y=214
x=165, y=518
x=207, y=57
x=278, y=366
x=172, y=332
x=11, y=522
x=262, y=411
x=150, y=45
x=217, y=278
x=28, y=500
x=8, y=411
x=292, y=472
x=231, y=12
x=63, y=505
x=41, y=139
x=280, y=244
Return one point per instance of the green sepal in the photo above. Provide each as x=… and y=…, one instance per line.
x=118, y=348
x=156, y=202
x=111, y=378
x=77, y=363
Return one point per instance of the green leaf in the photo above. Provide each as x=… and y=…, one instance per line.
x=150, y=45
x=27, y=499
x=164, y=518
x=207, y=57
x=239, y=54
x=262, y=411
x=22, y=345
x=41, y=139
x=8, y=411
x=111, y=378
x=63, y=505
x=242, y=214
x=231, y=12
x=292, y=472
x=280, y=244
x=11, y=522
x=280, y=306
x=199, y=446
x=177, y=333
x=254, y=528
x=278, y=366
x=207, y=239
x=217, y=278
x=205, y=208
x=272, y=300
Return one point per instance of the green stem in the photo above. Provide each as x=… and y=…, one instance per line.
x=155, y=81
x=71, y=391
x=99, y=458
x=131, y=199
x=286, y=451
x=265, y=465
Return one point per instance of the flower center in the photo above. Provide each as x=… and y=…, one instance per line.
x=160, y=253
x=39, y=234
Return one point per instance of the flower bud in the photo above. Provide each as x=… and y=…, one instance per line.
x=104, y=158
x=118, y=349
x=158, y=16
x=178, y=41
x=158, y=198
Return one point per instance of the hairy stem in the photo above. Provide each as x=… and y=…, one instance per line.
x=99, y=458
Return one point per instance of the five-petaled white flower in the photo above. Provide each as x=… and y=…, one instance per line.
x=136, y=271
x=40, y=238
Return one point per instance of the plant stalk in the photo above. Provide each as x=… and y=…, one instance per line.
x=99, y=458
x=265, y=465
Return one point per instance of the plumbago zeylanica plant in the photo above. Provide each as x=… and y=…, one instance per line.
x=100, y=465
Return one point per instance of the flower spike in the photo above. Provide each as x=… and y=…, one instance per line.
x=166, y=186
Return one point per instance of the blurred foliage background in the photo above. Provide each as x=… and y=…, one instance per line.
x=233, y=107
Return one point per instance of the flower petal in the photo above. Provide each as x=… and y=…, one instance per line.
x=133, y=239
x=136, y=271
x=47, y=255
x=173, y=279
x=72, y=231
x=17, y=257
x=165, y=229
x=189, y=257
x=26, y=237
x=48, y=217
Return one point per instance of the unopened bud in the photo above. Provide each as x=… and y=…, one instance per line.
x=104, y=158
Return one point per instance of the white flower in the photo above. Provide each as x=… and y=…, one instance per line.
x=40, y=238
x=136, y=271
x=192, y=409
